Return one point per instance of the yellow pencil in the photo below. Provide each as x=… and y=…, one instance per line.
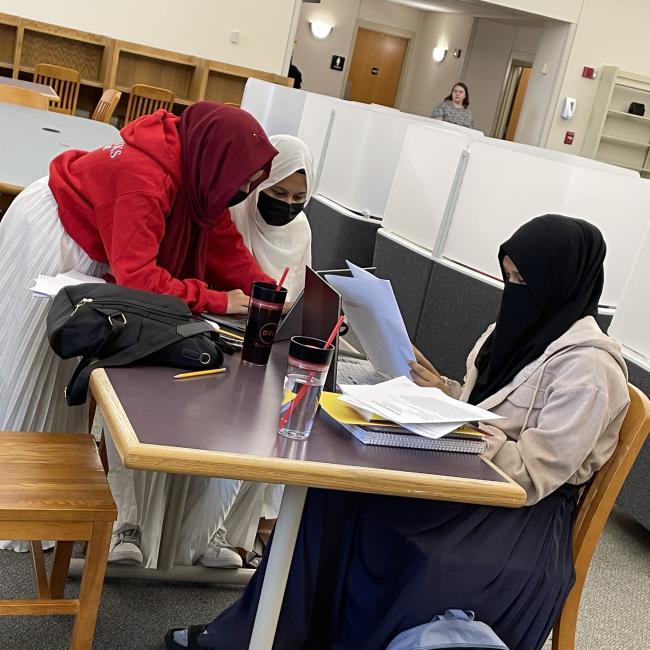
x=232, y=335
x=200, y=373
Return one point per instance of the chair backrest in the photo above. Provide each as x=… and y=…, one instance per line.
x=232, y=104
x=64, y=82
x=145, y=100
x=23, y=96
x=595, y=505
x=106, y=105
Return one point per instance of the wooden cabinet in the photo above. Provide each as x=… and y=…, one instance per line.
x=614, y=135
x=109, y=63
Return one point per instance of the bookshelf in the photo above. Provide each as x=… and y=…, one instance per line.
x=613, y=135
x=109, y=63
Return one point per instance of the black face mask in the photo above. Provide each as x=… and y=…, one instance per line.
x=277, y=212
x=238, y=198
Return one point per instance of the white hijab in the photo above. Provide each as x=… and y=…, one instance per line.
x=275, y=247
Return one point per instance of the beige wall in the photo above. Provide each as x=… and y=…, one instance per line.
x=568, y=10
x=427, y=82
x=603, y=37
x=200, y=27
x=313, y=56
x=494, y=45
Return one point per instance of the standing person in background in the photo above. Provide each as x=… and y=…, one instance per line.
x=295, y=74
x=455, y=107
x=271, y=220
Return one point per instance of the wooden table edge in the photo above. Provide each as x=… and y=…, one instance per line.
x=9, y=188
x=157, y=458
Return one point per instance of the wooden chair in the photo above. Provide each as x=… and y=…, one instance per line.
x=23, y=96
x=232, y=104
x=64, y=82
x=595, y=505
x=106, y=105
x=52, y=486
x=145, y=100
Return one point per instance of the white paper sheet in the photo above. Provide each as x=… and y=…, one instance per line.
x=46, y=286
x=371, y=309
x=403, y=402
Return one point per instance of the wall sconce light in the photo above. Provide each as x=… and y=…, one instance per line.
x=439, y=54
x=320, y=29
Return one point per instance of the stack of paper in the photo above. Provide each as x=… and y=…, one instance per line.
x=371, y=310
x=47, y=286
x=425, y=411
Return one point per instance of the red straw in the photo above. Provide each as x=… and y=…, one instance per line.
x=303, y=389
x=283, y=278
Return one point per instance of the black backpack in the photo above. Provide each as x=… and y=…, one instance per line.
x=109, y=325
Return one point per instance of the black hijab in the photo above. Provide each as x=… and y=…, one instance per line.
x=561, y=261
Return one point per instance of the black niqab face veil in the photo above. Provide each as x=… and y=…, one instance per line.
x=561, y=261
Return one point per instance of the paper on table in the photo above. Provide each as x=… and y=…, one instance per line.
x=371, y=310
x=427, y=430
x=48, y=286
x=401, y=401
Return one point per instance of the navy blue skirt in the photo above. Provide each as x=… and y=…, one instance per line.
x=367, y=567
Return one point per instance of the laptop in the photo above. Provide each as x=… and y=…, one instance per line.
x=237, y=322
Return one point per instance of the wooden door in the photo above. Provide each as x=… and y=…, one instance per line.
x=517, y=103
x=376, y=67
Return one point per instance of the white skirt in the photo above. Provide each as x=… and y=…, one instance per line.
x=32, y=377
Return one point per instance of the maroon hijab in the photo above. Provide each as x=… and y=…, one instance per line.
x=221, y=148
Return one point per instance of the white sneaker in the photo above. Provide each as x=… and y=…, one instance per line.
x=219, y=555
x=125, y=547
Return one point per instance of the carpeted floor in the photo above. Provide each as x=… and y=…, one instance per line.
x=134, y=615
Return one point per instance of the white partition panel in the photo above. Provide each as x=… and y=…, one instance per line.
x=631, y=322
x=361, y=157
x=424, y=180
x=277, y=108
x=314, y=124
x=507, y=184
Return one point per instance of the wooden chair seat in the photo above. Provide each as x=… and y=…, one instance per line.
x=23, y=97
x=52, y=486
x=144, y=100
x=65, y=83
x=106, y=105
x=594, y=508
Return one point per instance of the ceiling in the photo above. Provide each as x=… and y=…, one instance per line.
x=475, y=8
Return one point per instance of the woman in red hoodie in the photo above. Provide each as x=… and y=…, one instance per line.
x=152, y=212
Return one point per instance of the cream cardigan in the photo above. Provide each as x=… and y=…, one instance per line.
x=562, y=412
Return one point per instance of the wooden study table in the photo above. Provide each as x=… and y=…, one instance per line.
x=225, y=426
x=30, y=138
x=41, y=89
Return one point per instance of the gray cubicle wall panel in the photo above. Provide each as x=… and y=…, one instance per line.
x=457, y=310
x=337, y=237
x=604, y=321
x=634, y=498
x=408, y=272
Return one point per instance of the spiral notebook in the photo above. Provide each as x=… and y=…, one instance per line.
x=387, y=436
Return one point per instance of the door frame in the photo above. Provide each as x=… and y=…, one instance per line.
x=508, y=90
x=391, y=31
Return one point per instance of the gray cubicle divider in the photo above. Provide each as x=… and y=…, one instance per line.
x=337, y=235
x=408, y=271
x=457, y=309
x=634, y=498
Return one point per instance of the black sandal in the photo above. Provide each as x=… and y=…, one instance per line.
x=193, y=633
